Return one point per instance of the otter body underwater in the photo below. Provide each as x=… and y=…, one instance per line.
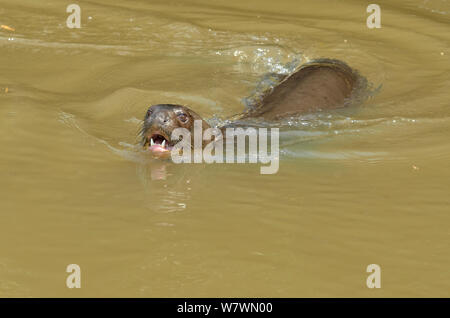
x=316, y=86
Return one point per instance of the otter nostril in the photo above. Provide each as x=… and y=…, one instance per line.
x=163, y=118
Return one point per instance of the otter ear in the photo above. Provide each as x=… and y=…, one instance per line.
x=193, y=114
x=149, y=112
x=196, y=116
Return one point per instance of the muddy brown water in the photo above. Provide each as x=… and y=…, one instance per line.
x=358, y=186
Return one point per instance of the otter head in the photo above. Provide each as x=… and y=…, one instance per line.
x=160, y=120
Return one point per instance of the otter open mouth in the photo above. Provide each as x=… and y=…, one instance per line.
x=159, y=143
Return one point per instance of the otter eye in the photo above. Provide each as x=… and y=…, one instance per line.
x=183, y=117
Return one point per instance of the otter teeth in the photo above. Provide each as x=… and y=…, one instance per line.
x=152, y=142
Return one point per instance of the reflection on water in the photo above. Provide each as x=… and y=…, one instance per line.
x=171, y=197
x=360, y=185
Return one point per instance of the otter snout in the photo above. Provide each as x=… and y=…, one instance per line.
x=162, y=119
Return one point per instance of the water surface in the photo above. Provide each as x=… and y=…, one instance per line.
x=356, y=186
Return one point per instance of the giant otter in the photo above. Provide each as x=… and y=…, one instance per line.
x=318, y=85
